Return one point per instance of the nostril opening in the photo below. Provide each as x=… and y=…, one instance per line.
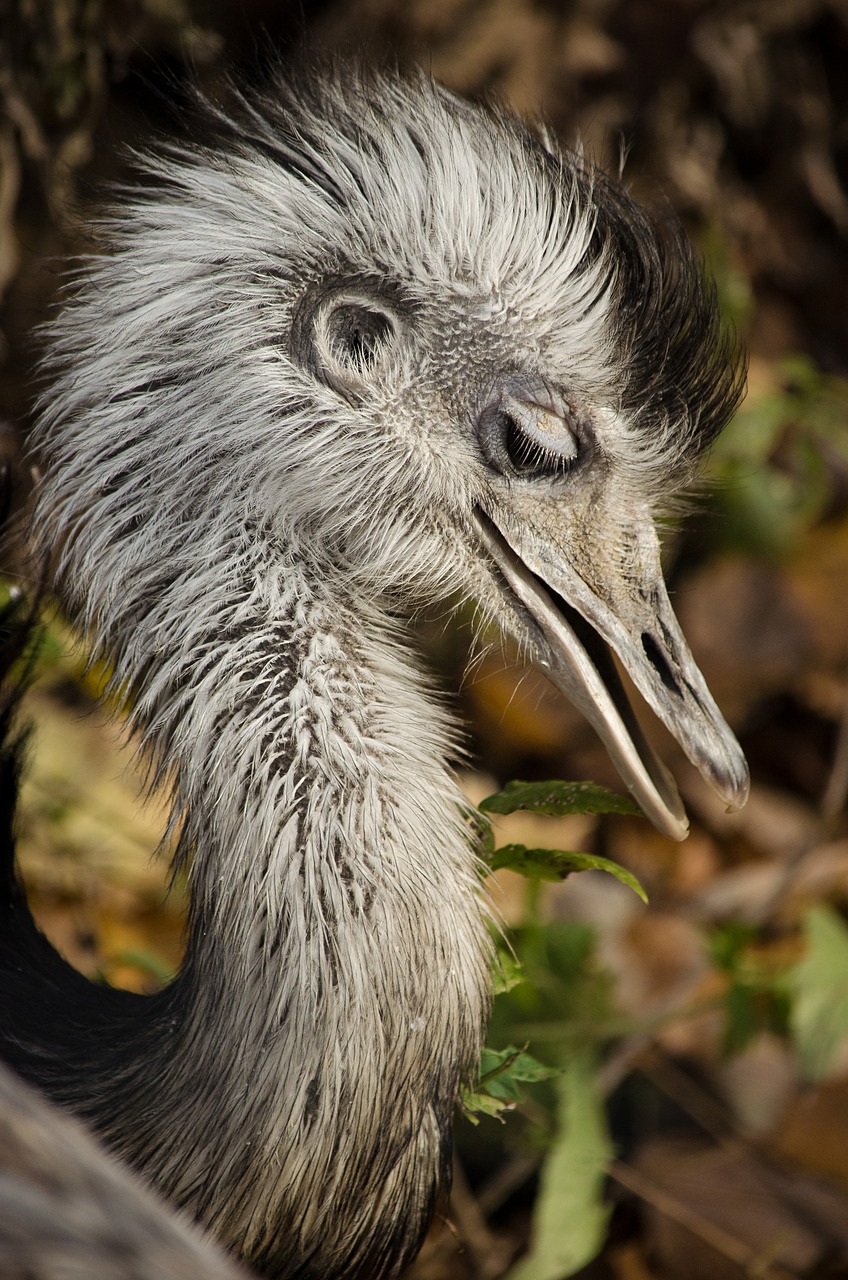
x=659, y=662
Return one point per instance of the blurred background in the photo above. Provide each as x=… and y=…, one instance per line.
x=697, y=1121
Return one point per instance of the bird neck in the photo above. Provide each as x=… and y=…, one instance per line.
x=336, y=979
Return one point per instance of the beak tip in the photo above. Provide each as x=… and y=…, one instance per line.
x=661, y=803
x=739, y=799
x=731, y=782
x=734, y=787
x=676, y=828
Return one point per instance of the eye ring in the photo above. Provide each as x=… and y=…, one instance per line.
x=529, y=439
x=345, y=330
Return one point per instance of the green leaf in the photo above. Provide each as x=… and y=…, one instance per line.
x=502, y=1073
x=819, y=1017
x=557, y=864
x=743, y=1016
x=508, y=973
x=557, y=798
x=728, y=943
x=475, y=1105
x=570, y=1218
x=509, y=1067
x=481, y=830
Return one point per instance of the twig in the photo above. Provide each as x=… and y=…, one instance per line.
x=729, y=1246
x=486, y=1250
x=709, y=1114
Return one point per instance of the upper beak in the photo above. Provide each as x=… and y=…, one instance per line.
x=592, y=574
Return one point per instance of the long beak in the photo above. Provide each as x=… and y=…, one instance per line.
x=585, y=592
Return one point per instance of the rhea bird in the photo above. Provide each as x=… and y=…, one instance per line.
x=368, y=348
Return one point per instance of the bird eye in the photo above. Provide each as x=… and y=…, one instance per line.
x=523, y=438
x=352, y=338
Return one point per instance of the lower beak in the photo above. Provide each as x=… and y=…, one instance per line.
x=574, y=626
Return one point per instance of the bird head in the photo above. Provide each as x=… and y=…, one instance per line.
x=419, y=346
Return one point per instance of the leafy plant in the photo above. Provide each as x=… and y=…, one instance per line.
x=570, y=1217
x=502, y=1073
x=562, y=1002
x=757, y=995
x=778, y=461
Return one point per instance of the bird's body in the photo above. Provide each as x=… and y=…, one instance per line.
x=371, y=349
x=69, y=1209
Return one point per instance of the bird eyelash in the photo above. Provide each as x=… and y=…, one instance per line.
x=532, y=458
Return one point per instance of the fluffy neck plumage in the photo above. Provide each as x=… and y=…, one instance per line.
x=335, y=983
